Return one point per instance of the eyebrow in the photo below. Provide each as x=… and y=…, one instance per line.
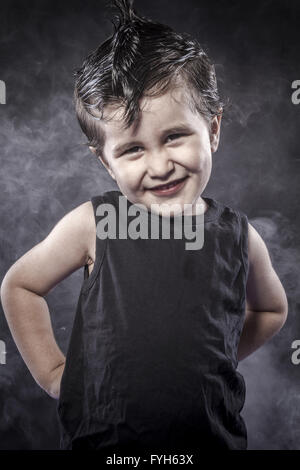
x=177, y=128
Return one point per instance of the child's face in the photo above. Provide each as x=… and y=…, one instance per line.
x=170, y=142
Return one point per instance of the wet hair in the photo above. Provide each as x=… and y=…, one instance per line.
x=141, y=58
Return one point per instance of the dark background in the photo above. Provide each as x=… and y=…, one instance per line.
x=46, y=171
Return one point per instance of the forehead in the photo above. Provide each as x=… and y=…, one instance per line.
x=155, y=113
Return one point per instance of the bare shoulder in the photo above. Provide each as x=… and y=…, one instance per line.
x=264, y=289
x=258, y=253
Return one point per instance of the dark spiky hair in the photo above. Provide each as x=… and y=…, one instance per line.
x=141, y=58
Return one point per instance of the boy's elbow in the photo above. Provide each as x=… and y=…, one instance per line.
x=284, y=314
x=282, y=311
x=285, y=306
x=281, y=306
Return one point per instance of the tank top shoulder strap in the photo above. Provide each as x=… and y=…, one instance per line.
x=243, y=238
x=238, y=223
x=100, y=246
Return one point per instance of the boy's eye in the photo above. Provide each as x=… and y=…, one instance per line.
x=136, y=148
x=175, y=136
x=132, y=149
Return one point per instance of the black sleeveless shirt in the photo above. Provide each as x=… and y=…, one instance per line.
x=152, y=356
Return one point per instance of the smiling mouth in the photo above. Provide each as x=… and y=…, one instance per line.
x=168, y=185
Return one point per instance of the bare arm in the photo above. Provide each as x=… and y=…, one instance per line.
x=30, y=278
x=266, y=301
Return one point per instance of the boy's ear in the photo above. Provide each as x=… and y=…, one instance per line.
x=215, y=128
x=106, y=165
x=103, y=161
x=93, y=149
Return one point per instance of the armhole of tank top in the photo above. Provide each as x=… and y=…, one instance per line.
x=244, y=240
x=99, y=255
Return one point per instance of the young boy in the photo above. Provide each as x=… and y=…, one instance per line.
x=159, y=329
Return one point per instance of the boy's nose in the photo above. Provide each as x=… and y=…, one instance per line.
x=159, y=165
